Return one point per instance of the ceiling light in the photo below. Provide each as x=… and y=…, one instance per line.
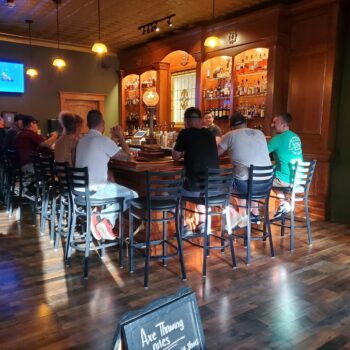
x=169, y=22
x=155, y=25
x=10, y=3
x=58, y=62
x=32, y=72
x=99, y=47
x=212, y=41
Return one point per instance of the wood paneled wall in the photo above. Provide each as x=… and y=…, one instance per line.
x=311, y=82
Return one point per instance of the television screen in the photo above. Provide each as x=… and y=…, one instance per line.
x=11, y=77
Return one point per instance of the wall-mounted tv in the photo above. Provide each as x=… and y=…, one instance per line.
x=11, y=77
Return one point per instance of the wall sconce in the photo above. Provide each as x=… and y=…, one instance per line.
x=154, y=25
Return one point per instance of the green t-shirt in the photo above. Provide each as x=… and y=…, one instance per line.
x=286, y=148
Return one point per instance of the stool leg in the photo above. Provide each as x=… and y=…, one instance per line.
x=53, y=216
x=179, y=243
x=148, y=250
x=19, y=210
x=308, y=226
x=59, y=227
x=292, y=224
x=268, y=225
x=205, y=246
x=283, y=225
x=164, y=245
x=44, y=206
x=121, y=235
x=70, y=237
x=131, y=241
x=87, y=244
x=248, y=232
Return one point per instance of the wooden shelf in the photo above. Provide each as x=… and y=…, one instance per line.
x=243, y=96
x=216, y=98
x=250, y=74
x=215, y=79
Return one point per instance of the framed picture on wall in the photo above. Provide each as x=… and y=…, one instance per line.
x=9, y=118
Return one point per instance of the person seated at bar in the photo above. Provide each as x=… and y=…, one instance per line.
x=27, y=143
x=286, y=149
x=17, y=126
x=197, y=145
x=245, y=147
x=66, y=145
x=94, y=152
x=208, y=122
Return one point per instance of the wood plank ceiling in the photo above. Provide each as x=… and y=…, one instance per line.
x=119, y=19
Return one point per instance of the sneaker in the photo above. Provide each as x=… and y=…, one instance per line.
x=200, y=227
x=235, y=221
x=255, y=219
x=186, y=232
x=95, y=219
x=243, y=222
x=283, y=209
x=28, y=194
x=105, y=228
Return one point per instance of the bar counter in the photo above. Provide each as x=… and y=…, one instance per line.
x=131, y=173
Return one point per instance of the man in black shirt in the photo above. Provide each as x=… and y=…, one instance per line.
x=208, y=122
x=197, y=145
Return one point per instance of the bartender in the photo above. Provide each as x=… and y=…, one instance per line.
x=208, y=122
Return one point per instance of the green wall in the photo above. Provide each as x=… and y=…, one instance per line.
x=84, y=73
x=340, y=171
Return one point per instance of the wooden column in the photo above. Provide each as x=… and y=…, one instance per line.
x=163, y=83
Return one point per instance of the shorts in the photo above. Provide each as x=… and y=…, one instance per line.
x=279, y=183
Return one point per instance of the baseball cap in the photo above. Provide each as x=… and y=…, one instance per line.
x=237, y=119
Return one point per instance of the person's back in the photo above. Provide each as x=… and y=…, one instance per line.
x=94, y=151
x=65, y=147
x=246, y=147
x=285, y=147
x=200, y=153
x=9, y=142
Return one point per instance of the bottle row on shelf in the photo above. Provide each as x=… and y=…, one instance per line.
x=220, y=113
x=218, y=91
x=251, y=111
x=251, y=87
x=148, y=83
x=132, y=101
x=132, y=85
x=253, y=64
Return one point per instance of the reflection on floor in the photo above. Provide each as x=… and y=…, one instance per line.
x=297, y=300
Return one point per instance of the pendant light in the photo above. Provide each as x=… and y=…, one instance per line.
x=99, y=47
x=212, y=41
x=58, y=62
x=32, y=72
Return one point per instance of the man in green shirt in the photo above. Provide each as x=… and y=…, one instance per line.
x=286, y=149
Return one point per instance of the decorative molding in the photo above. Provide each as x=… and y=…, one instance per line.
x=46, y=43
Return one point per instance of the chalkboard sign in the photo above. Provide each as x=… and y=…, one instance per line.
x=171, y=323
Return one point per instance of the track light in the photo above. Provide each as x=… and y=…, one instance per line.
x=155, y=25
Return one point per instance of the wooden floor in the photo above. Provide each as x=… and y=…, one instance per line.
x=298, y=300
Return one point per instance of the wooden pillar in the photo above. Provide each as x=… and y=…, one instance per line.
x=163, y=89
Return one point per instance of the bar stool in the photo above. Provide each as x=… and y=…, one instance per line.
x=259, y=187
x=48, y=194
x=215, y=187
x=297, y=193
x=82, y=204
x=163, y=197
x=64, y=202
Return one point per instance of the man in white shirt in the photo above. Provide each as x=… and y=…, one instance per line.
x=245, y=147
x=94, y=151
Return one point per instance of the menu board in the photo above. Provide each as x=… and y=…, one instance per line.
x=169, y=323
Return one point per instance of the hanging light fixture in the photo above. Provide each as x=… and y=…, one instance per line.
x=32, y=72
x=212, y=41
x=58, y=62
x=99, y=47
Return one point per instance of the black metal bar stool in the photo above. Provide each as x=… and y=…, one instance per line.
x=64, y=203
x=259, y=187
x=163, y=196
x=82, y=205
x=48, y=192
x=297, y=193
x=215, y=187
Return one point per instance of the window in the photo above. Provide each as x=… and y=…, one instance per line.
x=183, y=92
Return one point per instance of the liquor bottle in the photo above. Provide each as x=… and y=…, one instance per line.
x=251, y=64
